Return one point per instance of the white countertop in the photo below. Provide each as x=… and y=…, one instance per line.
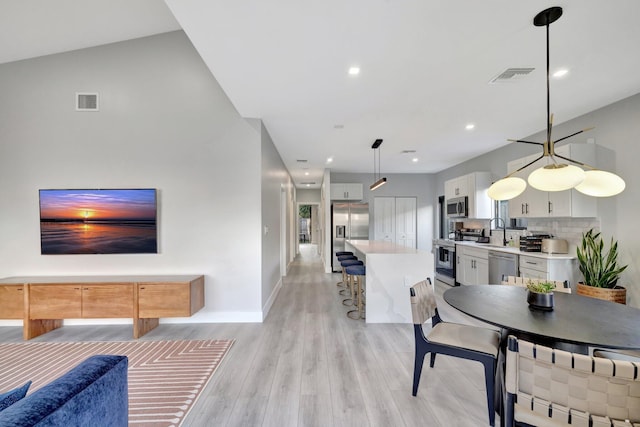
x=380, y=247
x=512, y=250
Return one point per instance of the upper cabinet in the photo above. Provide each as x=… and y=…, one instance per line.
x=473, y=186
x=347, y=191
x=534, y=203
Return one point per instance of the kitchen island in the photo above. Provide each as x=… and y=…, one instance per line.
x=391, y=270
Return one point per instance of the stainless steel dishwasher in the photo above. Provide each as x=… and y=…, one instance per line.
x=501, y=263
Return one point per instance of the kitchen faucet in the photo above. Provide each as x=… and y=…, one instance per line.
x=504, y=229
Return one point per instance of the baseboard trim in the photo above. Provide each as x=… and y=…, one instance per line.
x=272, y=298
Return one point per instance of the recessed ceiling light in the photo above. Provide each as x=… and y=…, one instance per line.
x=414, y=160
x=470, y=126
x=354, y=71
x=306, y=173
x=329, y=159
x=560, y=73
x=308, y=185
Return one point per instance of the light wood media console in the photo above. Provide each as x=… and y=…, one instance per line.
x=44, y=301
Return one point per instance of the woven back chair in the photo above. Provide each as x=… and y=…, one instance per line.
x=452, y=339
x=523, y=281
x=547, y=387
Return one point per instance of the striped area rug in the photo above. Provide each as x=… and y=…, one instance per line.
x=165, y=377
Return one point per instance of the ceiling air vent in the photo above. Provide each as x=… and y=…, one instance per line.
x=301, y=161
x=512, y=75
x=86, y=101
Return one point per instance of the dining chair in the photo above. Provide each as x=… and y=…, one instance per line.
x=618, y=354
x=452, y=339
x=561, y=286
x=550, y=387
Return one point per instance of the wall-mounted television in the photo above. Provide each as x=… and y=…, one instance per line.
x=100, y=221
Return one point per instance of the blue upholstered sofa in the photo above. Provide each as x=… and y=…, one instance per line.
x=94, y=393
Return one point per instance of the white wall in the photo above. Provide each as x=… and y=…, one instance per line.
x=164, y=123
x=276, y=183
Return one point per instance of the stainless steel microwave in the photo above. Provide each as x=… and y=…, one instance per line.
x=458, y=207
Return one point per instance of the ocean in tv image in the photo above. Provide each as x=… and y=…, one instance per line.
x=98, y=221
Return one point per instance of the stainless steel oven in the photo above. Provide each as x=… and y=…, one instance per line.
x=445, y=261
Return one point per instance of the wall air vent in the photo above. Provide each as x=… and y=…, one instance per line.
x=87, y=101
x=512, y=75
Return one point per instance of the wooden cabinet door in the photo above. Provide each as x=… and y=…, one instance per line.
x=107, y=300
x=55, y=301
x=11, y=301
x=164, y=300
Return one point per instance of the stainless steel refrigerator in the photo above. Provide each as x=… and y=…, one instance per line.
x=349, y=221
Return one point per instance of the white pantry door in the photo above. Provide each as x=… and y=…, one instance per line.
x=406, y=221
x=383, y=218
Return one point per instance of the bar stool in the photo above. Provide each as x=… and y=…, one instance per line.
x=346, y=263
x=355, y=276
x=340, y=253
x=341, y=258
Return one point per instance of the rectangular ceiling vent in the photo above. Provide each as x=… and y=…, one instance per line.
x=308, y=183
x=301, y=161
x=512, y=75
x=86, y=101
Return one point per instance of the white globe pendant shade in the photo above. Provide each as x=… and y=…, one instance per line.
x=556, y=177
x=507, y=188
x=599, y=183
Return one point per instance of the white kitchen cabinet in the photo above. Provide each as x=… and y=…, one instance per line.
x=531, y=203
x=550, y=269
x=473, y=186
x=456, y=187
x=472, y=265
x=346, y=191
x=534, y=203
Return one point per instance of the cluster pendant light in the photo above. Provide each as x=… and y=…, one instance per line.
x=379, y=182
x=555, y=175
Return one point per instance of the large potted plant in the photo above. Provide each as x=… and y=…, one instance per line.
x=600, y=269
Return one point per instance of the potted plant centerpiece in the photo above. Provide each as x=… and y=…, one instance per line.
x=600, y=269
x=540, y=295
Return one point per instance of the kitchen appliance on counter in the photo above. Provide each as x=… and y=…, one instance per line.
x=445, y=261
x=501, y=263
x=554, y=246
x=469, y=234
x=533, y=243
x=349, y=221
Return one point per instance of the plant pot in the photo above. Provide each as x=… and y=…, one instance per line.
x=617, y=294
x=540, y=301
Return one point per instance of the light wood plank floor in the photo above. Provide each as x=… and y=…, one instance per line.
x=309, y=365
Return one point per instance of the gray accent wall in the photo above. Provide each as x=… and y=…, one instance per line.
x=165, y=123
x=421, y=186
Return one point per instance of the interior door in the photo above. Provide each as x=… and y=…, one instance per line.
x=406, y=221
x=384, y=215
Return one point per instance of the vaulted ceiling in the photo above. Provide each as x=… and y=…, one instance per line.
x=426, y=68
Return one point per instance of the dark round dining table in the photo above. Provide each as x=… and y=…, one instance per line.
x=575, y=319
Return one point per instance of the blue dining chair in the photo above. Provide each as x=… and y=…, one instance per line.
x=463, y=341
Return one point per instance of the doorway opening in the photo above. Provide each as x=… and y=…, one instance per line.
x=305, y=229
